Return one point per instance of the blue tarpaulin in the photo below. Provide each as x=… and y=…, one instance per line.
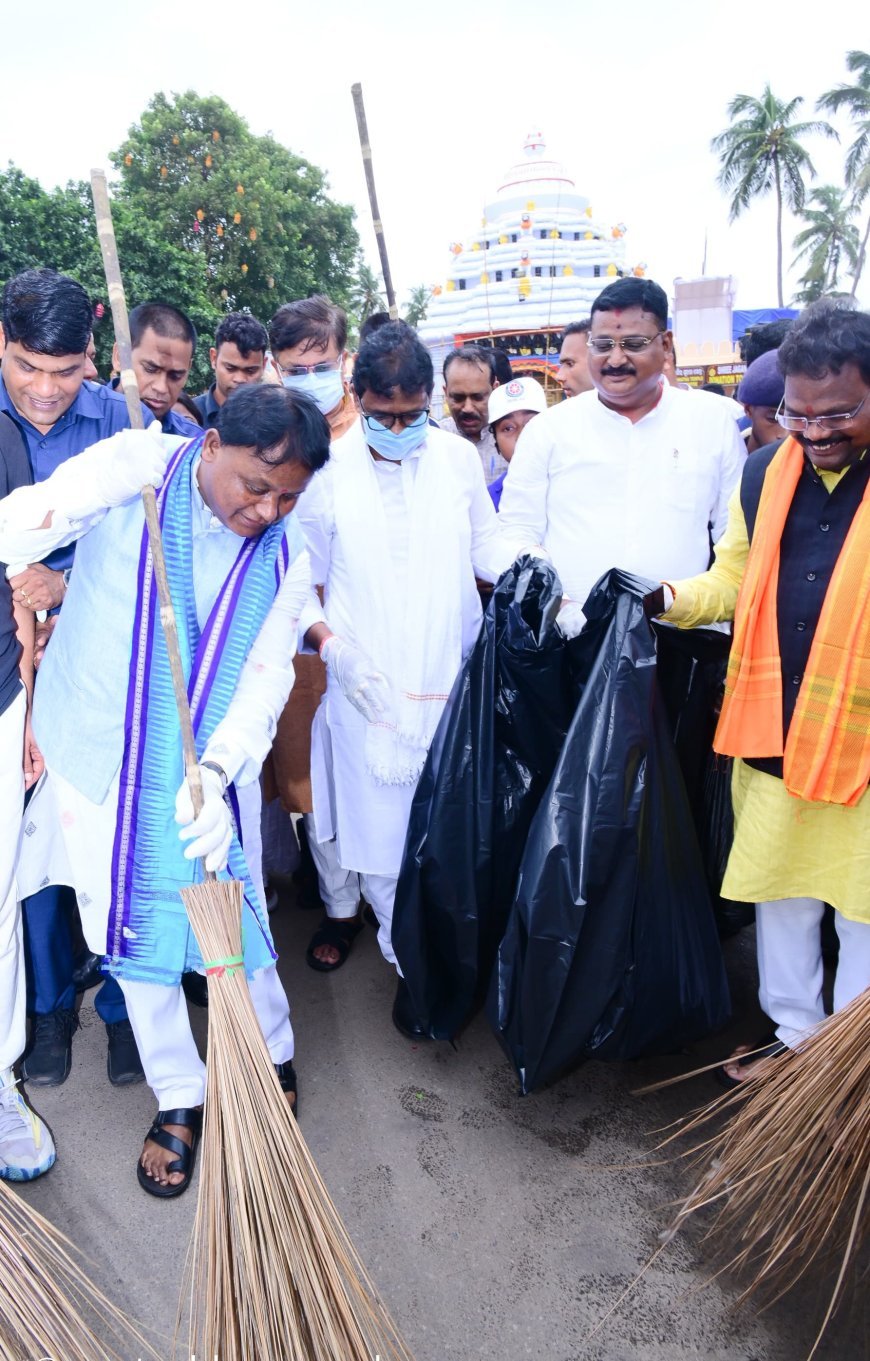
x=741, y=322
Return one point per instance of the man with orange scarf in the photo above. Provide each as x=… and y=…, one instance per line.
x=793, y=571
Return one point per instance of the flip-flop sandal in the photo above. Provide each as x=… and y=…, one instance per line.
x=337, y=933
x=191, y=1119
x=287, y=1077
x=766, y=1048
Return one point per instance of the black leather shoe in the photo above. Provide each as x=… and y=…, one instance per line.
x=195, y=988
x=88, y=971
x=404, y=1016
x=122, y=1062
x=50, y=1055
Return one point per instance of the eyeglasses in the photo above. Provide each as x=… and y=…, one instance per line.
x=801, y=423
x=302, y=370
x=383, y=420
x=633, y=344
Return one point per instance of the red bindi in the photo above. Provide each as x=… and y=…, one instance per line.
x=811, y=411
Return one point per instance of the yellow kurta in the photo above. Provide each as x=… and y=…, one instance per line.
x=784, y=847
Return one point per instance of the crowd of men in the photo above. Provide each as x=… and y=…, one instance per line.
x=328, y=544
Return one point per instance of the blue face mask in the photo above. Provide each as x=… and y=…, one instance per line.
x=327, y=389
x=392, y=444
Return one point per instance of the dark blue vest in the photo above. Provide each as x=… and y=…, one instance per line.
x=814, y=534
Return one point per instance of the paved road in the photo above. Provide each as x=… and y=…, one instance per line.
x=498, y=1228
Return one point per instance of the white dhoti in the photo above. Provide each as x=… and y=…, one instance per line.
x=69, y=840
x=12, y=1000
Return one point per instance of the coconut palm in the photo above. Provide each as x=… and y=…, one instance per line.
x=828, y=242
x=762, y=150
x=855, y=99
x=366, y=293
x=418, y=305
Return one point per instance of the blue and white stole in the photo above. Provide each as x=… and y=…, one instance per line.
x=148, y=936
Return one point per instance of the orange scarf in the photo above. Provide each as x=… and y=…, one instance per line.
x=826, y=757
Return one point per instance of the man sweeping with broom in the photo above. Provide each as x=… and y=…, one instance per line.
x=792, y=571
x=239, y=575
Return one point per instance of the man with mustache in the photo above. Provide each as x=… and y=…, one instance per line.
x=469, y=378
x=632, y=474
x=792, y=572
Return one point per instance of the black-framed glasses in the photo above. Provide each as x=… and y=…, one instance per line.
x=633, y=344
x=302, y=370
x=384, y=420
x=798, y=424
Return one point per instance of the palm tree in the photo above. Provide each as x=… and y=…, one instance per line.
x=829, y=240
x=366, y=296
x=418, y=305
x=762, y=150
x=856, y=99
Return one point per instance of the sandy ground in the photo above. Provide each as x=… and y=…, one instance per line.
x=497, y=1227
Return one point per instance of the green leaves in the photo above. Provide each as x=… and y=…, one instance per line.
x=208, y=217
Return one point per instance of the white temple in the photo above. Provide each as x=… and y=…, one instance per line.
x=536, y=263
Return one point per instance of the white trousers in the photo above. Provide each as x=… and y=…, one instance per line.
x=173, y=1069
x=12, y=998
x=790, y=968
x=339, y=888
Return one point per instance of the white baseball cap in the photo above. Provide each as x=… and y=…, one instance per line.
x=520, y=394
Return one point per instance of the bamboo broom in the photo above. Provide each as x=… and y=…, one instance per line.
x=272, y=1271
x=48, y=1305
x=789, y=1175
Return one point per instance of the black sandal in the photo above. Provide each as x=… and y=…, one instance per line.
x=339, y=934
x=287, y=1077
x=190, y=1118
x=767, y=1048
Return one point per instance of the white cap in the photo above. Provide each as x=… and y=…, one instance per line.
x=520, y=394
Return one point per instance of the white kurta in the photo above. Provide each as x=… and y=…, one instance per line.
x=598, y=491
x=369, y=820
x=67, y=838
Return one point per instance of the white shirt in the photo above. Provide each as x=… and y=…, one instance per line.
x=370, y=820
x=490, y=459
x=598, y=491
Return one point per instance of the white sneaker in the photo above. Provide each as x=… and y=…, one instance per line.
x=26, y=1146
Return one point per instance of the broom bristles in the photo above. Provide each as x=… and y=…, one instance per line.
x=789, y=1173
x=49, y=1307
x=272, y=1270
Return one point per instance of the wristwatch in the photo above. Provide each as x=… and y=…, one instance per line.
x=219, y=770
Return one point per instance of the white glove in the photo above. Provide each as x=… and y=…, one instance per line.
x=128, y=462
x=570, y=619
x=211, y=833
x=368, y=689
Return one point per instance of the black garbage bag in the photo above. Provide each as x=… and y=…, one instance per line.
x=490, y=762
x=611, y=949
x=691, y=669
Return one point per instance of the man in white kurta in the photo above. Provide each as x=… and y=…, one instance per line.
x=398, y=525
x=634, y=473
x=238, y=497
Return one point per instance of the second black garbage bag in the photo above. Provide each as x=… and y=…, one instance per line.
x=610, y=949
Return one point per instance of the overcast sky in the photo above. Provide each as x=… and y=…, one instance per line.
x=626, y=95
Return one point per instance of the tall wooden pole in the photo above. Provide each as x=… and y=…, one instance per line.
x=114, y=283
x=365, y=147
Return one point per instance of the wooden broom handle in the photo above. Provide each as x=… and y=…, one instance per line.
x=130, y=387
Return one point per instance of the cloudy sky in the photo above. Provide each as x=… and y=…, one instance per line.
x=626, y=95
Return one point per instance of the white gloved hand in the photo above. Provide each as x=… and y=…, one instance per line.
x=129, y=461
x=367, y=688
x=211, y=833
x=570, y=619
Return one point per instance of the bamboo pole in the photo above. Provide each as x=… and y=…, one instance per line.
x=118, y=302
x=365, y=147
